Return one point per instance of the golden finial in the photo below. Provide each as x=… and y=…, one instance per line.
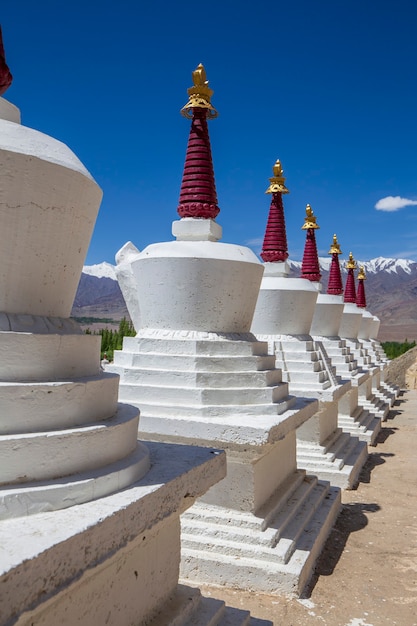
x=278, y=180
x=199, y=95
x=310, y=220
x=335, y=248
x=361, y=275
x=351, y=263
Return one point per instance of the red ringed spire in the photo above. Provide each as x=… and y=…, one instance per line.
x=335, y=285
x=350, y=291
x=310, y=267
x=275, y=248
x=5, y=75
x=198, y=197
x=360, y=297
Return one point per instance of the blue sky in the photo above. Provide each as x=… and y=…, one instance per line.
x=329, y=88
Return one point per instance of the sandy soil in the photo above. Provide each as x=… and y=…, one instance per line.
x=367, y=574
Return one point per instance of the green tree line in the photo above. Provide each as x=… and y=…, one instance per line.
x=394, y=348
x=112, y=340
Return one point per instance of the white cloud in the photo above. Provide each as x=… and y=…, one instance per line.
x=393, y=203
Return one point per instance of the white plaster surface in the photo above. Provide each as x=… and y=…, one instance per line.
x=365, y=328
x=351, y=321
x=327, y=315
x=96, y=548
x=124, y=258
x=48, y=211
x=209, y=286
x=285, y=306
x=192, y=229
x=9, y=111
x=47, y=357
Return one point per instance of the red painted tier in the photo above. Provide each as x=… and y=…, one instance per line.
x=5, y=75
x=350, y=291
x=275, y=248
x=361, y=298
x=198, y=197
x=310, y=267
x=335, y=285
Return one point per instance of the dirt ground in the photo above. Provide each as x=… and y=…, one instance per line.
x=367, y=573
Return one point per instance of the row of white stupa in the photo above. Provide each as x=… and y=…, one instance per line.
x=217, y=335
x=89, y=516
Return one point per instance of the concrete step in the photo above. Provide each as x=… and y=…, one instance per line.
x=342, y=463
x=286, y=568
x=192, y=343
x=189, y=608
x=193, y=363
x=60, y=453
x=202, y=396
x=59, y=493
x=178, y=409
x=192, y=379
x=42, y=406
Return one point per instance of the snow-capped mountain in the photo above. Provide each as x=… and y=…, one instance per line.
x=391, y=293
x=374, y=266
x=101, y=270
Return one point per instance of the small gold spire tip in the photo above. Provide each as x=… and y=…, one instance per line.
x=199, y=95
x=351, y=263
x=310, y=220
x=335, y=248
x=361, y=275
x=277, y=182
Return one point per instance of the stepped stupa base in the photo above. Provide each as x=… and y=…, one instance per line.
x=112, y=561
x=210, y=388
x=356, y=415
x=338, y=460
x=271, y=551
x=340, y=355
x=325, y=450
x=189, y=608
x=321, y=447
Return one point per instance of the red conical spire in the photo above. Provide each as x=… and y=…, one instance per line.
x=310, y=267
x=275, y=248
x=335, y=286
x=198, y=197
x=350, y=292
x=361, y=298
x=5, y=75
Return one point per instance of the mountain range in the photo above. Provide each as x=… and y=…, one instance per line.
x=391, y=293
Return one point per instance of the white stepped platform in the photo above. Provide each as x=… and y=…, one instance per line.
x=208, y=398
x=114, y=560
x=189, y=608
x=64, y=439
x=271, y=551
x=377, y=405
x=205, y=386
x=391, y=389
x=359, y=352
x=356, y=414
x=338, y=460
x=353, y=417
x=303, y=364
x=340, y=355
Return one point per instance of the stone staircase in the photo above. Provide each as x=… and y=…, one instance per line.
x=362, y=424
x=338, y=460
x=269, y=551
x=189, y=608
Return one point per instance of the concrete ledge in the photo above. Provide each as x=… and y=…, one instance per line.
x=43, y=554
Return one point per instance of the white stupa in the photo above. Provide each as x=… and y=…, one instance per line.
x=89, y=517
x=199, y=375
x=283, y=317
x=354, y=317
x=353, y=417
